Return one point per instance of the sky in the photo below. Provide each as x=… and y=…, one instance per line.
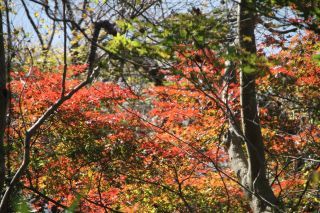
x=20, y=20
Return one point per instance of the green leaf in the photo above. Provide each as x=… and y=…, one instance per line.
x=74, y=205
x=248, y=69
x=316, y=58
x=21, y=206
x=97, y=1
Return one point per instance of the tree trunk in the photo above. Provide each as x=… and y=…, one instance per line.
x=250, y=167
x=3, y=105
x=256, y=177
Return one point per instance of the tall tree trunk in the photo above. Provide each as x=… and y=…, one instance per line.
x=250, y=167
x=3, y=104
x=256, y=177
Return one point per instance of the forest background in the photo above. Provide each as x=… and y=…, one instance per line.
x=159, y=106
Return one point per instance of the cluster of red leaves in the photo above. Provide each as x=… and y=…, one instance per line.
x=180, y=126
x=289, y=115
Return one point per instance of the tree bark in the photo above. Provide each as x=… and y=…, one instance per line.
x=257, y=181
x=250, y=167
x=3, y=104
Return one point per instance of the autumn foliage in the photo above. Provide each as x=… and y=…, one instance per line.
x=109, y=148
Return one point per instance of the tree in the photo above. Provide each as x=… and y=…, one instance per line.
x=148, y=135
x=251, y=170
x=32, y=130
x=66, y=17
x=3, y=104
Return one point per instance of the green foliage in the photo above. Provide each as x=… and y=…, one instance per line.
x=21, y=205
x=99, y=1
x=316, y=58
x=253, y=64
x=185, y=30
x=74, y=205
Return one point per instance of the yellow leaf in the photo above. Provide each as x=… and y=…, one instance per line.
x=247, y=38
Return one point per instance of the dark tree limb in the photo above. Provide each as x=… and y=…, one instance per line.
x=37, y=192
